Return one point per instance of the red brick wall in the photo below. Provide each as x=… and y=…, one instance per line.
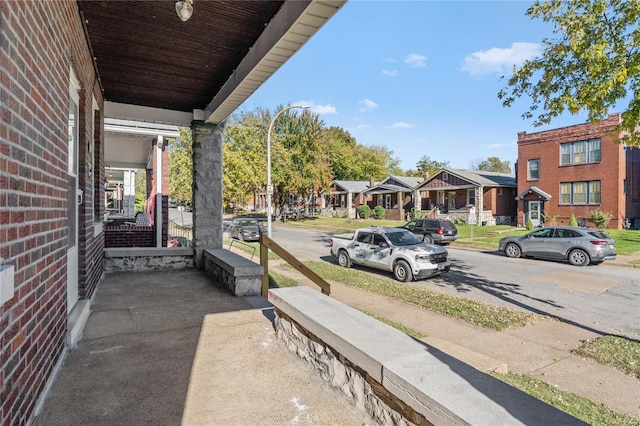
x=610, y=170
x=130, y=236
x=41, y=41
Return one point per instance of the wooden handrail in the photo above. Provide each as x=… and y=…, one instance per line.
x=267, y=244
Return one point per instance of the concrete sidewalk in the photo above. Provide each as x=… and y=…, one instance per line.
x=171, y=348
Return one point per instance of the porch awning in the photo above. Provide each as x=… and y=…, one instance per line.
x=534, y=190
x=386, y=189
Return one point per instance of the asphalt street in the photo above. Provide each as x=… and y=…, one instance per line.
x=602, y=298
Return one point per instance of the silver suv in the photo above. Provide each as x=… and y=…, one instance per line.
x=580, y=246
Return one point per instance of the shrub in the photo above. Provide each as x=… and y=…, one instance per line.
x=529, y=224
x=550, y=220
x=573, y=221
x=600, y=218
x=364, y=211
x=379, y=212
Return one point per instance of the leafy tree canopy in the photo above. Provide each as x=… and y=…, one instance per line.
x=427, y=166
x=492, y=164
x=180, y=167
x=592, y=63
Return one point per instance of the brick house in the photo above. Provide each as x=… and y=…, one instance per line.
x=346, y=195
x=576, y=170
x=65, y=68
x=394, y=193
x=454, y=191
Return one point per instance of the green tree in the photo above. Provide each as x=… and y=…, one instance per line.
x=300, y=166
x=427, y=165
x=244, y=155
x=592, y=63
x=181, y=167
x=492, y=164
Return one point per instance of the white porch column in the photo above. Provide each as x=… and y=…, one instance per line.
x=417, y=200
x=158, y=180
x=129, y=193
x=479, y=203
x=350, y=210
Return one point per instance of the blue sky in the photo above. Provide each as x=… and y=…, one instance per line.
x=419, y=77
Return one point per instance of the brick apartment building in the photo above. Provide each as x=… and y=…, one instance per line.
x=65, y=67
x=576, y=170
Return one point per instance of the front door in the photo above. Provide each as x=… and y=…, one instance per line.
x=73, y=198
x=534, y=212
x=452, y=201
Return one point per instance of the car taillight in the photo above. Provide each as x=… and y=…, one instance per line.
x=599, y=242
x=330, y=242
x=440, y=231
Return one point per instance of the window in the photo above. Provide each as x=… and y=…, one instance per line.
x=580, y=152
x=499, y=191
x=533, y=169
x=471, y=197
x=580, y=192
x=445, y=176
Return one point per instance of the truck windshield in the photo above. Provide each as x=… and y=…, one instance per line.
x=402, y=238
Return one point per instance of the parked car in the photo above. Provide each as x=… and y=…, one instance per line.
x=246, y=229
x=438, y=231
x=390, y=249
x=580, y=246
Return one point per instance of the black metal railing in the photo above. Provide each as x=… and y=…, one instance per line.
x=179, y=235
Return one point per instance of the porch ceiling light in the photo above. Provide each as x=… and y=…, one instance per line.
x=184, y=9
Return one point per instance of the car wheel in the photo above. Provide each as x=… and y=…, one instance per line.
x=402, y=271
x=427, y=239
x=343, y=259
x=578, y=258
x=512, y=250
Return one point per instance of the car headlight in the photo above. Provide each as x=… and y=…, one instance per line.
x=423, y=258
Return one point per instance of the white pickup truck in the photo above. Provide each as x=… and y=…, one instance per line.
x=390, y=249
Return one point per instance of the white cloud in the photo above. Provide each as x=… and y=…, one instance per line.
x=416, y=60
x=498, y=60
x=367, y=105
x=363, y=126
x=318, y=109
x=390, y=73
x=501, y=145
x=401, y=125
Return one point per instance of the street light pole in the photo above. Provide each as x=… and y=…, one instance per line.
x=269, y=186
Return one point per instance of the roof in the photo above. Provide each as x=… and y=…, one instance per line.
x=408, y=181
x=153, y=67
x=534, y=190
x=385, y=189
x=479, y=177
x=355, y=186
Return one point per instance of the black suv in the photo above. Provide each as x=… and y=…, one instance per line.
x=433, y=230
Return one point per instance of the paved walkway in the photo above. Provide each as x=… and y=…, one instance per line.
x=171, y=348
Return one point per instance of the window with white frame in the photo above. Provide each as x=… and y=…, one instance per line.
x=471, y=197
x=580, y=152
x=580, y=192
x=445, y=176
x=533, y=169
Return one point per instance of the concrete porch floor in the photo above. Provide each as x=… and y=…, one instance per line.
x=171, y=348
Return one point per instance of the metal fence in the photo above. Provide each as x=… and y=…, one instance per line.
x=179, y=235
